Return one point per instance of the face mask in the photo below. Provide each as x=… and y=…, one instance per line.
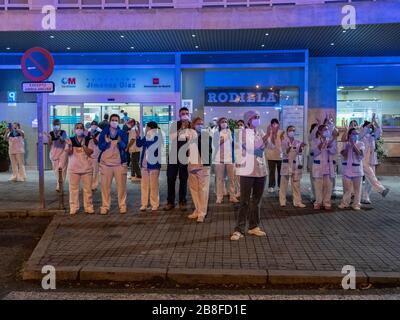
x=79, y=132
x=291, y=134
x=56, y=127
x=255, y=122
x=185, y=117
x=241, y=127
x=326, y=134
x=93, y=128
x=354, y=137
x=224, y=125
x=114, y=124
x=199, y=127
x=370, y=130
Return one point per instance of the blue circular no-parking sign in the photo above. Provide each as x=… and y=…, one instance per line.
x=37, y=64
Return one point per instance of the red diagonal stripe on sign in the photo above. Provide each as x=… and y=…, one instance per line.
x=37, y=65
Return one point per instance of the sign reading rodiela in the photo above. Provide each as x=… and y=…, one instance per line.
x=241, y=97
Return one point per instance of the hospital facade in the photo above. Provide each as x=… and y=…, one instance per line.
x=291, y=60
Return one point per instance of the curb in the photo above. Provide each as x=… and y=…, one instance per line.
x=211, y=276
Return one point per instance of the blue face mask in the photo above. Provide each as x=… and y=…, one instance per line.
x=354, y=137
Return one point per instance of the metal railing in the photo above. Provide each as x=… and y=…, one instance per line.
x=149, y=4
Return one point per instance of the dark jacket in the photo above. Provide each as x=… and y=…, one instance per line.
x=145, y=144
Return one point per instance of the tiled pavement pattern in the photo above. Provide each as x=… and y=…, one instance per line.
x=297, y=239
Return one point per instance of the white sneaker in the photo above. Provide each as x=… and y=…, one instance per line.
x=193, y=215
x=233, y=200
x=154, y=209
x=270, y=190
x=236, y=236
x=73, y=212
x=300, y=205
x=257, y=232
x=356, y=208
x=103, y=211
x=200, y=218
x=219, y=200
x=143, y=208
x=12, y=179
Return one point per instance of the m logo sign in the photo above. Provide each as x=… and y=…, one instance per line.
x=156, y=80
x=69, y=82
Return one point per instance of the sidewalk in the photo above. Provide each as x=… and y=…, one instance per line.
x=302, y=246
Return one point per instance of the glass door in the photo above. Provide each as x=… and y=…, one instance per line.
x=68, y=114
x=96, y=111
x=160, y=113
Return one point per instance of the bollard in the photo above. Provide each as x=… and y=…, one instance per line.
x=61, y=205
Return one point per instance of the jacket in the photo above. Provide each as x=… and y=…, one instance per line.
x=103, y=145
x=154, y=147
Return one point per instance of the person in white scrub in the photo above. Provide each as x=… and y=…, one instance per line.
x=371, y=132
x=324, y=149
x=253, y=172
x=199, y=168
x=16, y=150
x=93, y=136
x=150, y=163
x=352, y=154
x=59, y=160
x=113, y=164
x=292, y=168
x=223, y=160
x=80, y=169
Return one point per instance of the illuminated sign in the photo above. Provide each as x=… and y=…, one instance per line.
x=241, y=97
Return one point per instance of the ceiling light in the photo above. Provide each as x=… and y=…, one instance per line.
x=366, y=89
x=341, y=87
x=267, y=34
x=122, y=36
x=196, y=47
x=332, y=44
x=8, y=48
x=68, y=48
x=263, y=45
x=51, y=37
x=193, y=35
x=257, y=86
x=132, y=47
x=371, y=87
x=344, y=31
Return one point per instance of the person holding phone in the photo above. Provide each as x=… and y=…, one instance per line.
x=16, y=150
x=113, y=164
x=80, y=168
x=57, y=139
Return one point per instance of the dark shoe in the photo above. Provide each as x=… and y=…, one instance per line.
x=385, y=192
x=169, y=207
x=182, y=206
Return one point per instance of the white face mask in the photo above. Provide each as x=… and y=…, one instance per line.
x=256, y=122
x=114, y=124
x=56, y=127
x=291, y=134
x=199, y=127
x=326, y=134
x=185, y=117
x=93, y=128
x=224, y=125
x=79, y=132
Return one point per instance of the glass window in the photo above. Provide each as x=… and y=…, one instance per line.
x=359, y=103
